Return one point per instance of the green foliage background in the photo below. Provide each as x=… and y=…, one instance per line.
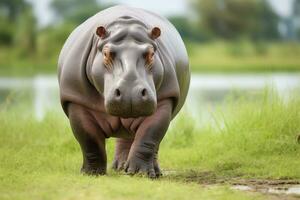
x=244, y=33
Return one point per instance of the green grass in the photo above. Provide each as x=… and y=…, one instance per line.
x=13, y=63
x=250, y=139
x=244, y=56
x=42, y=161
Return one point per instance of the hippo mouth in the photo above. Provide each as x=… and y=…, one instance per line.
x=130, y=110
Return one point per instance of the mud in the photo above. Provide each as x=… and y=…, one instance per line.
x=273, y=189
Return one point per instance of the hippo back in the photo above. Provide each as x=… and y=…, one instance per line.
x=75, y=59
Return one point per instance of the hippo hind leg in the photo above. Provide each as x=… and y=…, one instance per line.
x=91, y=139
x=121, y=153
x=157, y=170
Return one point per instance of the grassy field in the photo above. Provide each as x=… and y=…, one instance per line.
x=254, y=139
x=244, y=56
x=218, y=56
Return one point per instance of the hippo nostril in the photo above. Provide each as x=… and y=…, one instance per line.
x=117, y=93
x=144, y=92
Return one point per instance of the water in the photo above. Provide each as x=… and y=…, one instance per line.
x=39, y=94
x=206, y=90
x=290, y=190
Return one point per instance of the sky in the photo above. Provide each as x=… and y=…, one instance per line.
x=163, y=7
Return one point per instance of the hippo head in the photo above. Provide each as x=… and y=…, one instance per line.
x=127, y=69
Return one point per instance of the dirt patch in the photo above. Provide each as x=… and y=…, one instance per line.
x=274, y=189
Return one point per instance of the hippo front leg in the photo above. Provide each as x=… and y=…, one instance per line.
x=143, y=153
x=91, y=139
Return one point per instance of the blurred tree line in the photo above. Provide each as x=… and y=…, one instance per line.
x=23, y=44
x=21, y=38
x=231, y=19
x=17, y=22
x=238, y=19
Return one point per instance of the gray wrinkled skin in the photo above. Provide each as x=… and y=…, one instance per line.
x=81, y=73
x=127, y=98
x=129, y=88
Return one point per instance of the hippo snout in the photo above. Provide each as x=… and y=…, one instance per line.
x=126, y=102
x=140, y=93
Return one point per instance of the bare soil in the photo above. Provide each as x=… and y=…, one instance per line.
x=273, y=189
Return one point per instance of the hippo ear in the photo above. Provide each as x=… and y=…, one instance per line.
x=101, y=32
x=155, y=33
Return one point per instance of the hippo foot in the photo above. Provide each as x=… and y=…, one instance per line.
x=157, y=170
x=141, y=167
x=93, y=171
x=119, y=163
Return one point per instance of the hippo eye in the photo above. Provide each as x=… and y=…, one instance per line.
x=112, y=54
x=108, y=57
x=148, y=56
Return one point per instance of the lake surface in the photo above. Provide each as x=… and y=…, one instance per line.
x=209, y=90
x=206, y=90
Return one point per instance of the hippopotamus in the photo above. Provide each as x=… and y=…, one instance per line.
x=123, y=73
